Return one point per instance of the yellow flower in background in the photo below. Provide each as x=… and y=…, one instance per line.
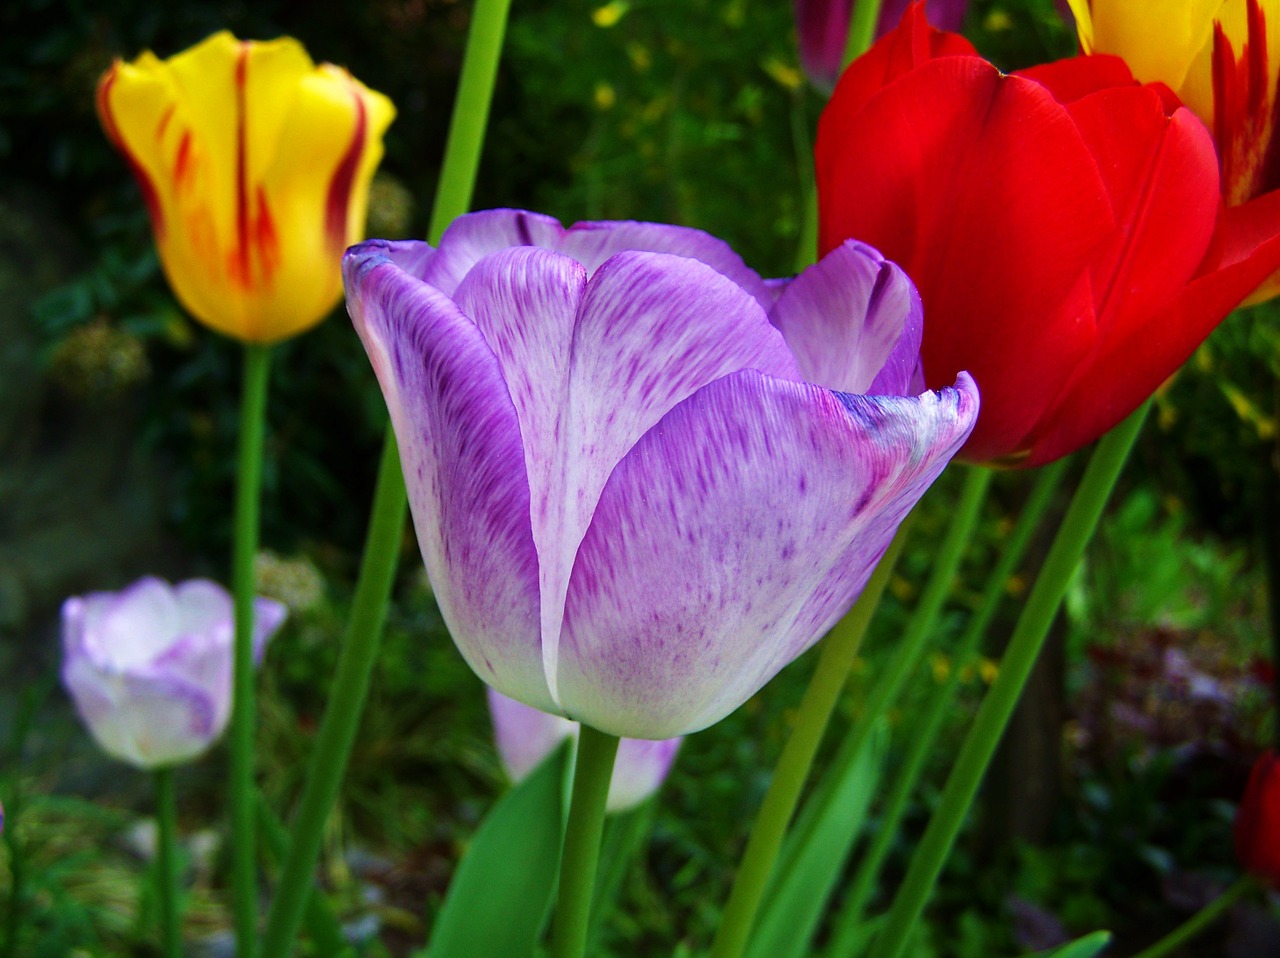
x=255, y=166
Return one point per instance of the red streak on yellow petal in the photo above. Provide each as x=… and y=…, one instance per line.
x=266, y=238
x=149, y=194
x=1244, y=104
x=240, y=267
x=339, y=198
x=163, y=125
x=182, y=166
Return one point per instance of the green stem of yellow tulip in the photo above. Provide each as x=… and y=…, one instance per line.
x=591, y=774
x=845, y=931
x=998, y=705
x=363, y=637
x=862, y=29
x=253, y=409
x=166, y=873
x=1201, y=920
x=839, y=650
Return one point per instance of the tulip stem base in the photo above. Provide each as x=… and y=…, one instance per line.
x=592, y=772
x=997, y=707
x=166, y=870
x=253, y=414
x=839, y=649
x=1201, y=920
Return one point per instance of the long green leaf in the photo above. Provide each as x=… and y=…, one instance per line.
x=815, y=853
x=1087, y=947
x=501, y=893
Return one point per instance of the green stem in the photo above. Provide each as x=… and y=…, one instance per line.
x=591, y=774
x=1202, y=919
x=846, y=933
x=386, y=525
x=839, y=650
x=1024, y=647
x=166, y=874
x=862, y=29
x=332, y=749
x=253, y=408
x=326, y=933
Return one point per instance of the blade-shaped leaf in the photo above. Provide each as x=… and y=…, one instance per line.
x=1087, y=947
x=815, y=852
x=501, y=893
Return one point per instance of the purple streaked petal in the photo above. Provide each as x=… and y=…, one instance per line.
x=472, y=237
x=733, y=535
x=854, y=322
x=650, y=330
x=464, y=467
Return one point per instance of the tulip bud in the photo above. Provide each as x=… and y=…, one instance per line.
x=149, y=668
x=255, y=167
x=526, y=736
x=1257, y=831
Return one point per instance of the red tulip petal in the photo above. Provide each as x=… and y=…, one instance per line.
x=1069, y=80
x=981, y=187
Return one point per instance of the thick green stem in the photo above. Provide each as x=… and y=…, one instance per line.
x=1201, y=920
x=839, y=650
x=166, y=873
x=591, y=774
x=862, y=29
x=1024, y=647
x=382, y=546
x=846, y=931
x=253, y=409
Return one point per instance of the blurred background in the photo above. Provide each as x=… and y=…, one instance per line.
x=1111, y=804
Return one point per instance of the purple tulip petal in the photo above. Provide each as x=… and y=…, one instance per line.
x=854, y=322
x=136, y=625
x=472, y=237
x=822, y=31
x=524, y=735
x=268, y=616
x=640, y=768
x=463, y=462
x=699, y=579
x=146, y=719
x=650, y=330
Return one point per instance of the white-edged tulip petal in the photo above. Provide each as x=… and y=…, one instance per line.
x=854, y=322
x=733, y=535
x=464, y=467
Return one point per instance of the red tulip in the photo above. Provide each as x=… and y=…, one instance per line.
x=1258, y=821
x=1064, y=226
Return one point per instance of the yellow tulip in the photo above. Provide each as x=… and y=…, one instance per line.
x=255, y=166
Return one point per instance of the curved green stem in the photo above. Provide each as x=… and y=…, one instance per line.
x=1201, y=920
x=845, y=934
x=253, y=409
x=363, y=636
x=166, y=874
x=862, y=29
x=591, y=774
x=839, y=649
x=1024, y=647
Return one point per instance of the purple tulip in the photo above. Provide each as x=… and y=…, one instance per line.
x=525, y=736
x=149, y=668
x=822, y=30
x=643, y=479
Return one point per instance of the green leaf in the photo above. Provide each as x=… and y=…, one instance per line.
x=815, y=852
x=501, y=893
x=1086, y=947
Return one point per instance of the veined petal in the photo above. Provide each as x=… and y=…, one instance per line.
x=464, y=465
x=733, y=535
x=472, y=237
x=592, y=364
x=853, y=321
